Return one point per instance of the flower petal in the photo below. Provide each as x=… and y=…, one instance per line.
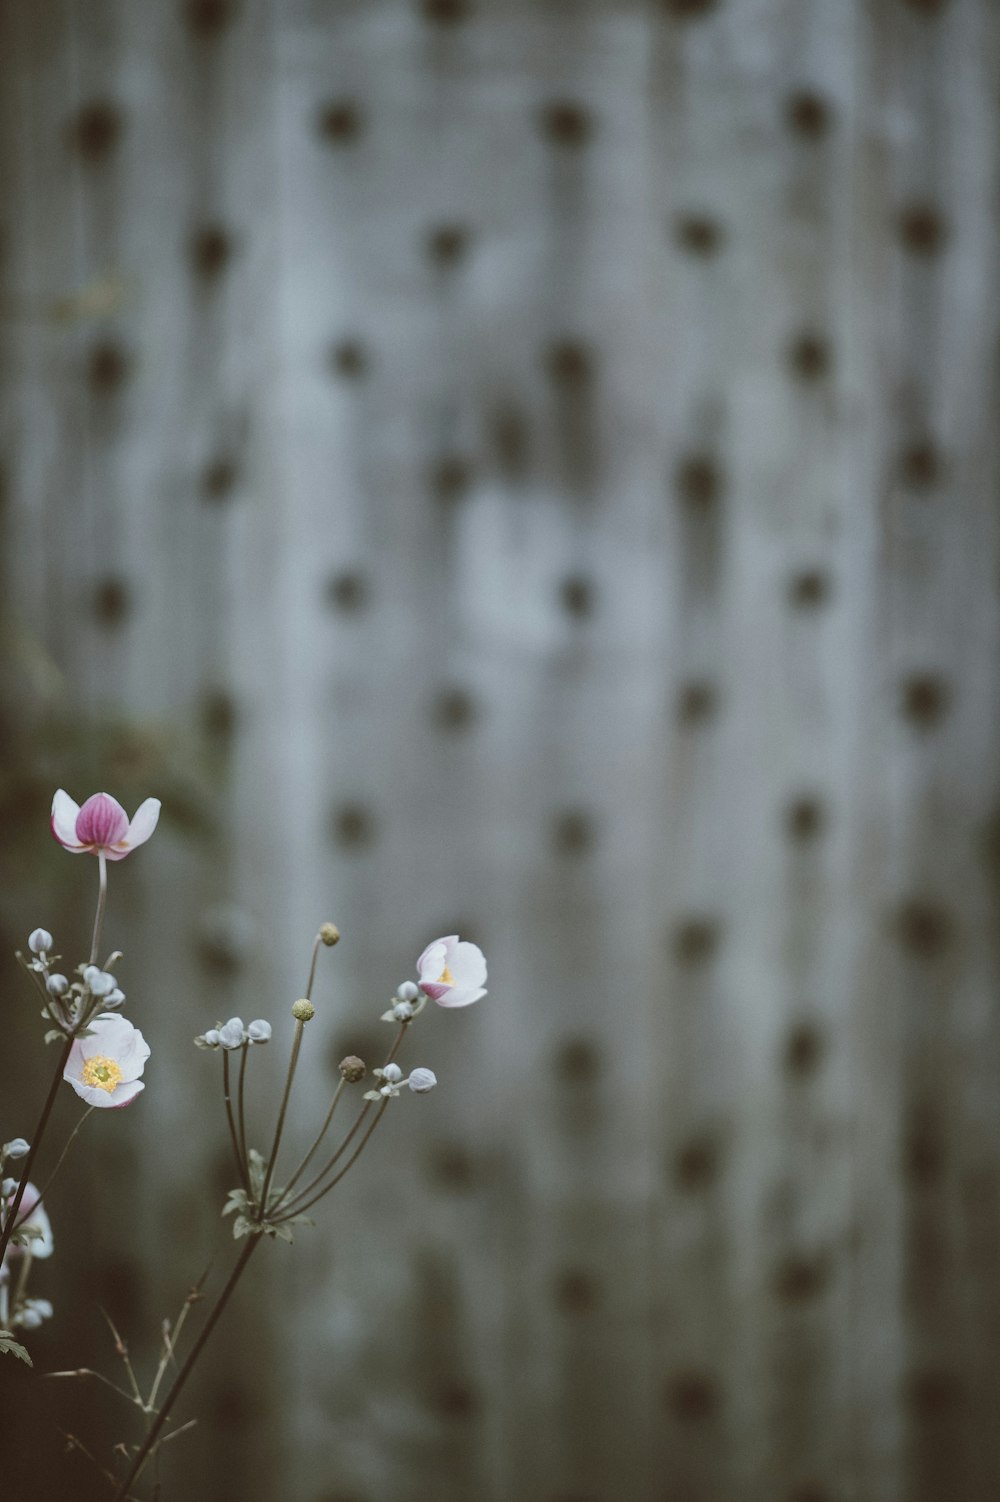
x=143, y=823
x=102, y=822
x=65, y=813
x=124, y=1095
x=458, y=998
x=468, y=966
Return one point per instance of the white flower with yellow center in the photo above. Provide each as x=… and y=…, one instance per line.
x=104, y=1068
x=452, y=972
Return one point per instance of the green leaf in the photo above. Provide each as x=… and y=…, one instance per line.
x=9, y=1346
x=281, y=1231
x=54, y=1035
x=243, y=1226
x=237, y=1201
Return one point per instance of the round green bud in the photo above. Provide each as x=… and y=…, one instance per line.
x=329, y=933
x=303, y=1010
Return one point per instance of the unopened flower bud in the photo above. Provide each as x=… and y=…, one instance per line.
x=422, y=1080
x=352, y=1069
x=330, y=934
x=303, y=1010
x=43, y=1306
x=29, y=1319
x=403, y=1011
x=211, y=1039
x=259, y=1031
x=231, y=1033
x=408, y=991
x=99, y=982
x=8, y=1187
x=57, y=985
x=392, y=1073
x=16, y=1148
x=39, y=940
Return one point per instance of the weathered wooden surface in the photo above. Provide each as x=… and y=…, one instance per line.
x=532, y=472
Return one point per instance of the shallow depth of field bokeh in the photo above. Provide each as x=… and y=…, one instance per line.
x=522, y=468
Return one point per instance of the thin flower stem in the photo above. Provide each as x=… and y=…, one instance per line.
x=312, y=968
x=22, y=1282
x=241, y=1107
x=280, y=1127
x=43, y=1122
x=59, y=1162
x=241, y=1163
x=170, y=1342
x=185, y=1371
x=362, y=1114
x=298, y=1209
x=102, y=897
x=306, y=1160
x=121, y=1349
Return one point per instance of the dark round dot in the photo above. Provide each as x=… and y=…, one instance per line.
x=577, y=1061
x=569, y=363
x=799, y=1279
x=454, y=710
x=208, y=17
x=920, y=465
x=697, y=702
x=575, y=1291
x=218, y=714
x=218, y=479
x=922, y=229
x=804, y=1049
x=353, y=826
x=933, y=1392
x=510, y=437
x=348, y=358
x=97, y=128
x=452, y=1168
x=211, y=250
x=456, y=1400
x=450, y=478
x=809, y=356
x=695, y=940
x=693, y=1396
x=572, y=832
x=808, y=588
x=112, y=601
x=340, y=122
x=347, y=590
x=923, y=927
x=699, y=234
x=804, y=818
x=924, y=699
x=446, y=12
x=447, y=244
x=567, y=123
x=807, y=114
x=697, y=480
x=107, y=367
x=576, y=595
x=696, y=1164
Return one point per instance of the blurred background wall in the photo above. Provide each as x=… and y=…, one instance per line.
x=524, y=468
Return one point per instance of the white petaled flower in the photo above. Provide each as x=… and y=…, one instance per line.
x=452, y=972
x=31, y=1216
x=102, y=826
x=104, y=1068
x=40, y=941
x=422, y=1080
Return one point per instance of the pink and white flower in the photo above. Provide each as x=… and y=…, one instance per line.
x=30, y=1214
x=104, y=1068
x=102, y=826
x=452, y=972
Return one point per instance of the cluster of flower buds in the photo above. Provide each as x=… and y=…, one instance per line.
x=233, y=1034
x=418, y=1080
x=71, y=1005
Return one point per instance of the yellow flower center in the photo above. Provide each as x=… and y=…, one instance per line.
x=102, y=1073
x=446, y=978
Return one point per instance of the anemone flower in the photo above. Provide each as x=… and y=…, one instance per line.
x=452, y=972
x=31, y=1214
x=104, y=1068
x=102, y=826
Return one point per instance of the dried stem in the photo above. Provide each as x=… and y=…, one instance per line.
x=43, y=1122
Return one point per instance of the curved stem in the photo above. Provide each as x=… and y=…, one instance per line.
x=298, y=1209
x=50, y=1100
x=319, y=1138
x=280, y=1127
x=185, y=1371
x=102, y=897
x=307, y=993
x=59, y=1161
x=240, y=1105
